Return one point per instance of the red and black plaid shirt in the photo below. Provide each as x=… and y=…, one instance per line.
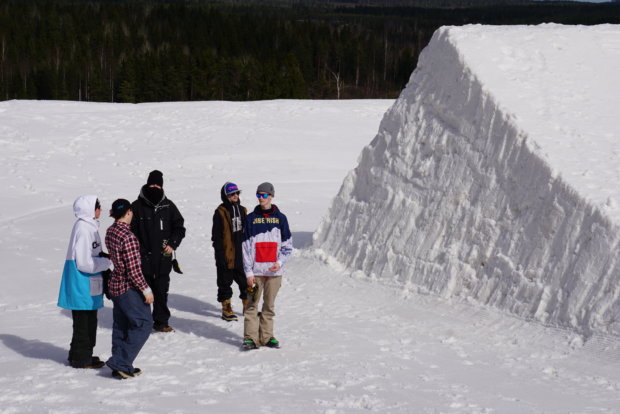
x=124, y=252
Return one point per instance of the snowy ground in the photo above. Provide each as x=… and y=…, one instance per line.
x=350, y=343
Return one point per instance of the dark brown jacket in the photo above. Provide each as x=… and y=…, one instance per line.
x=226, y=242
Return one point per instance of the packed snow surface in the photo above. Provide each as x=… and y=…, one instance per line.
x=352, y=342
x=494, y=177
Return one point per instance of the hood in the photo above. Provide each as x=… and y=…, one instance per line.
x=84, y=207
x=265, y=213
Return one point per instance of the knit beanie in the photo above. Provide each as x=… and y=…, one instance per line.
x=266, y=188
x=155, y=177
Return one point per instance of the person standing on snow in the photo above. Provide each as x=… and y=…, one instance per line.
x=267, y=245
x=158, y=225
x=81, y=288
x=129, y=292
x=227, y=237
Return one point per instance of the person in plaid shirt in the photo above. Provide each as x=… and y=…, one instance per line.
x=129, y=292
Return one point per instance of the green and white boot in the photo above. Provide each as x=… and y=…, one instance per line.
x=249, y=344
x=272, y=343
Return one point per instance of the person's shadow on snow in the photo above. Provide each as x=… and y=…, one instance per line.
x=33, y=348
x=193, y=305
x=182, y=303
x=201, y=327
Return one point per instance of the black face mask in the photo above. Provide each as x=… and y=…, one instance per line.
x=153, y=194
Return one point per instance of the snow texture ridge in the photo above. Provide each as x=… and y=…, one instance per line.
x=489, y=178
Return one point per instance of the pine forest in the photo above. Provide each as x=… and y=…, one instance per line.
x=153, y=51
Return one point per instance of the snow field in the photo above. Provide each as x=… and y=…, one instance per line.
x=349, y=345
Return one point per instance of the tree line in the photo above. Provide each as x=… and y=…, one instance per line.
x=151, y=51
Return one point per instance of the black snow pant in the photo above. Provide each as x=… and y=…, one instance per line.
x=84, y=337
x=225, y=278
x=160, y=285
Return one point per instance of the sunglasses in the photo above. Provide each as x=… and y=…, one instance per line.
x=234, y=194
x=264, y=195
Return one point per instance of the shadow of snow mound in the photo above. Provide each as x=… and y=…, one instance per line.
x=457, y=197
x=302, y=239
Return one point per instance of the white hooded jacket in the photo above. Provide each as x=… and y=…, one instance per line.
x=81, y=287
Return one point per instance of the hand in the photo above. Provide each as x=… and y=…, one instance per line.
x=148, y=298
x=168, y=250
x=250, y=281
x=274, y=268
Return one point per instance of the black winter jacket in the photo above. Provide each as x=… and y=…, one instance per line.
x=156, y=219
x=227, y=242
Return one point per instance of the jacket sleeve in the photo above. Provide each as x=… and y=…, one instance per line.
x=248, y=248
x=217, y=240
x=176, y=223
x=84, y=259
x=135, y=223
x=286, y=245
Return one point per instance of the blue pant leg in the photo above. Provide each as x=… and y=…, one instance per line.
x=119, y=332
x=140, y=326
x=132, y=327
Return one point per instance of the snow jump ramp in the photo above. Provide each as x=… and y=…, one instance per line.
x=495, y=176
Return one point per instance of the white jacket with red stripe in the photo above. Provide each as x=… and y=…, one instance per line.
x=267, y=240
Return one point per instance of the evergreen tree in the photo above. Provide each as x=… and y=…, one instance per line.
x=144, y=51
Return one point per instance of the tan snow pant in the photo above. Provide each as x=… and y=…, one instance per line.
x=259, y=326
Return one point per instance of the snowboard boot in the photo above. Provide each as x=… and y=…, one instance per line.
x=273, y=343
x=249, y=344
x=227, y=312
x=93, y=363
x=126, y=375
x=96, y=363
x=163, y=328
x=245, y=305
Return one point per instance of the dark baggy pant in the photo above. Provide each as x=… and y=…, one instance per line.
x=130, y=330
x=225, y=278
x=84, y=336
x=160, y=285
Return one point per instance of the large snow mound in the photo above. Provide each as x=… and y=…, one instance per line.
x=494, y=176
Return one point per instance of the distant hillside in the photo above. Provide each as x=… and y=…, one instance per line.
x=138, y=51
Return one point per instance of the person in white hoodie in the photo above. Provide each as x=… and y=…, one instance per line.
x=81, y=288
x=267, y=246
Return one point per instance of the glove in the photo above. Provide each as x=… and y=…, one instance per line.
x=175, y=263
x=253, y=292
x=176, y=267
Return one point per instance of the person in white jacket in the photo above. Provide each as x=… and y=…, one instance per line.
x=267, y=246
x=81, y=288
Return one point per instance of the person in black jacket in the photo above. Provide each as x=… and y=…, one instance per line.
x=158, y=225
x=227, y=237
